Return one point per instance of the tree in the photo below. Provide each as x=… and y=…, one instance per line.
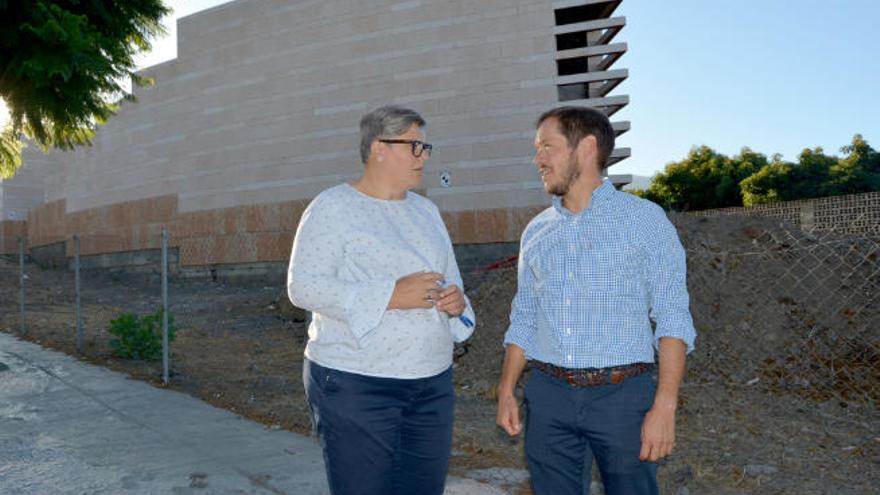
x=785, y=181
x=704, y=179
x=744, y=165
x=858, y=171
x=768, y=185
x=812, y=175
x=62, y=64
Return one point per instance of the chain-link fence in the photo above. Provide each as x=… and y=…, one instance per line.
x=783, y=389
x=784, y=382
x=790, y=311
x=781, y=393
x=238, y=340
x=68, y=301
x=776, y=307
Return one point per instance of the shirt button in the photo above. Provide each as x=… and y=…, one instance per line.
x=572, y=250
x=568, y=331
x=569, y=357
x=570, y=275
x=568, y=302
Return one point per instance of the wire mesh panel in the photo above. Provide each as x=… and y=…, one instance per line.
x=112, y=284
x=781, y=394
x=785, y=380
x=791, y=311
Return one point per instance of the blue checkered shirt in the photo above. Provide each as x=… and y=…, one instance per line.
x=590, y=283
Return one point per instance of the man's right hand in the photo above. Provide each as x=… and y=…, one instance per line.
x=508, y=414
x=508, y=408
x=416, y=291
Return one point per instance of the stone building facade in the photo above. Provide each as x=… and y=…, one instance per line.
x=259, y=112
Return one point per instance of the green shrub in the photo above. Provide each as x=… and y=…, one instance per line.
x=140, y=337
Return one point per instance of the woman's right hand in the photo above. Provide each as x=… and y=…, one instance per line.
x=416, y=291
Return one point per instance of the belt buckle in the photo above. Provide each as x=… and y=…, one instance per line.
x=590, y=379
x=617, y=376
x=569, y=377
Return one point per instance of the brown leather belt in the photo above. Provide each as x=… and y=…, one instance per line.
x=590, y=377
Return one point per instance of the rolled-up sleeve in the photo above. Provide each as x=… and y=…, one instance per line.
x=667, y=284
x=312, y=281
x=524, y=307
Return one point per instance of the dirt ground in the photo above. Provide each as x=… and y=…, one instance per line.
x=237, y=350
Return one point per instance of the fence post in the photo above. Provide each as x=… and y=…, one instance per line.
x=79, y=327
x=165, y=305
x=21, y=278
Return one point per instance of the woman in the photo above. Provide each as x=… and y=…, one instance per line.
x=374, y=264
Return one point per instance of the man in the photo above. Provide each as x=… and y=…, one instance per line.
x=594, y=270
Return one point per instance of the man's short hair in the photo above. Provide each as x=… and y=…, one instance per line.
x=576, y=123
x=385, y=123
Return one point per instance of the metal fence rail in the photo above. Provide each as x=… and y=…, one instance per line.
x=79, y=308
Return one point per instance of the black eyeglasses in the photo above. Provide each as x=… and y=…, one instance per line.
x=418, y=147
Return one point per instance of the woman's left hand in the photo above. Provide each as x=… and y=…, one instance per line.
x=451, y=301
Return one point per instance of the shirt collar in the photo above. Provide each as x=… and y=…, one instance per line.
x=600, y=195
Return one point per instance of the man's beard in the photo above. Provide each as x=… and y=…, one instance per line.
x=572, y=172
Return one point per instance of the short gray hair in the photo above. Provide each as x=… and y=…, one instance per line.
x=386, y=122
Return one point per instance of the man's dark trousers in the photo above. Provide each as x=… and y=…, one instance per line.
x=567, y=427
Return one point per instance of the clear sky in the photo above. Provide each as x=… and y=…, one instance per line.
x=775, y=75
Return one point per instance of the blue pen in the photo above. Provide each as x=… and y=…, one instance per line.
x=467, y=321
x=462, y=318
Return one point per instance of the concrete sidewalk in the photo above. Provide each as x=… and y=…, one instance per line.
x=71, y=427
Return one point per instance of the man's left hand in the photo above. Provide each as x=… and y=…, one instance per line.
x=451, y=301
x=658, y=433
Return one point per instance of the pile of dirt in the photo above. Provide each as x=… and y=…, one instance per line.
x=479, y=361
x=787, y=340
x=768, y=301
x=704, y=238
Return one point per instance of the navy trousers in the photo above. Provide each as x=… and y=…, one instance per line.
x=567, y=427
x=382, y=436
